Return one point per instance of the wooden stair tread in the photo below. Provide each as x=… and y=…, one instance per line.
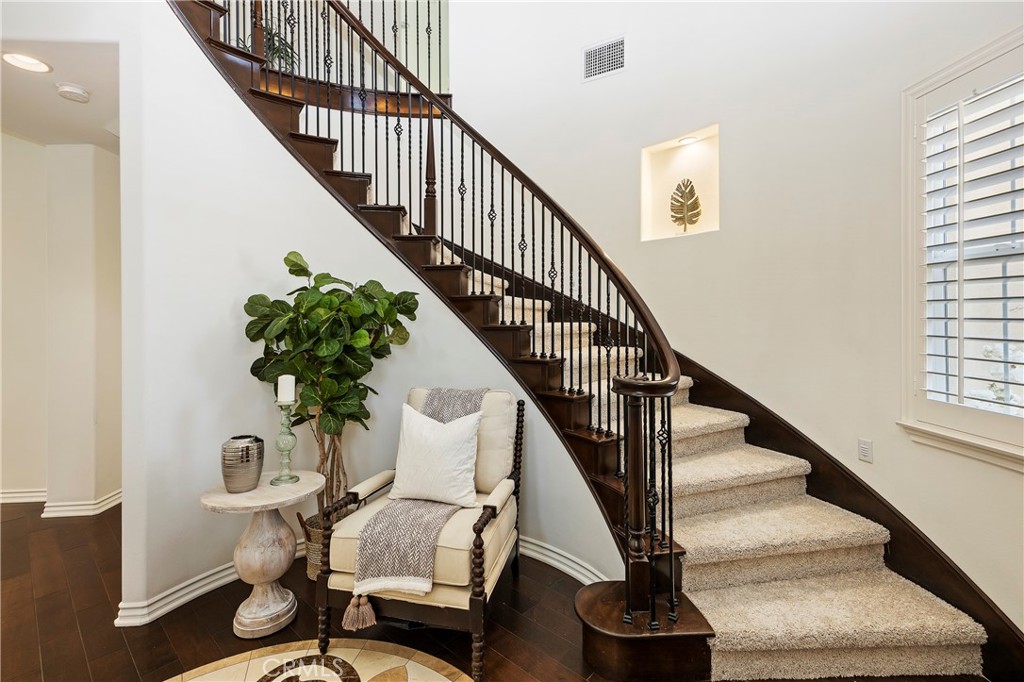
x=277, y=97
x=354, y=175
x=237, y=51
x=601, y=605
x=219, y=9
x=306, y=137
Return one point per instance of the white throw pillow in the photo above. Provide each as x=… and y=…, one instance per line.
x=436, y=461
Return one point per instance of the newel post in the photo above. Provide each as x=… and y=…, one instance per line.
x=637, y=569
x=430, y=181
x=258, y=38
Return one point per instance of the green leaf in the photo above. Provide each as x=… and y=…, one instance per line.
x=258, y=305
x=308, y=396
x=357, y=364
x=352, y=309
x=406, y=304
x=257, y=367
x=309, y=299
x=373, y=289
x=317, y=317
x=297, y=265
x=327, y=347
x=347, y=404
x=360, y=339
x=279, y=307
x=274, y=370
x=276, y=327
x=328, y=388
x=323, y=279
x=366, y=304
x=254, y=330
x=399, y=335
x=295, y=291
x=330, y=423
x=330, y=301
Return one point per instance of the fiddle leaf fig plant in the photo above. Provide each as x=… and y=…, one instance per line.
x=328, y=336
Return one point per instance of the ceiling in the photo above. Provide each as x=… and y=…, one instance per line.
x=29, y=104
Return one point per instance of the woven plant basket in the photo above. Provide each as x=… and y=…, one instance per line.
x=314, y=539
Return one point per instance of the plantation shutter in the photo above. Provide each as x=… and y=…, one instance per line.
x=972, y=157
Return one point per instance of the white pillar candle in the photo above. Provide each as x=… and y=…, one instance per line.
x=286, y=388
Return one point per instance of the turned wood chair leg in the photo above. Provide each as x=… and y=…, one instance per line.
x=324, y=638
x=478, y=657
x=515, y=562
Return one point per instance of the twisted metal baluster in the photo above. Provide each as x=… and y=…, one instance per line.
x=579, y=315
x=543, y=287
x=620, y=447
x=673, y=601
x=492, y=215
x=652, y=516
x=522, y=256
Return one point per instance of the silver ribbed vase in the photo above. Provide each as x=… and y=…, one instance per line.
x=241, y=463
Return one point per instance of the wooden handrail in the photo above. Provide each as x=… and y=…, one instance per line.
x=629, y=386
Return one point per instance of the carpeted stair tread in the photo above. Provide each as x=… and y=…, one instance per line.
x=795, y=525
x=481, y=283
x=860, y=609
x=733, y=467
x=689, y=420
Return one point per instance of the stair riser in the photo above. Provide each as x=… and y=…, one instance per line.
x=510, y=342
x=598, y=459
x=818, y=663
x=352, y=190
x=242, y=71
x=284, y=117
x=706, y=442
x=451, y=282
x=205, y=21
x=694, y=504
x=319, y=154
x=568, y=413
x=416, y=252
x=538, y=376
x=612, y=502
x=388, y=223
x=478, y=312
x=716, y=575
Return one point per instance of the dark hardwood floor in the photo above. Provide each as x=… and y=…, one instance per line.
x=61, y=582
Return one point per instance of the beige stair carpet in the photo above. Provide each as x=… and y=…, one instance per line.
x=794, y=587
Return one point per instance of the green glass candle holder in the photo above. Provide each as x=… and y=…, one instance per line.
x=285, y=443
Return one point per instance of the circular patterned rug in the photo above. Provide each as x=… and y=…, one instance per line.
x=348, y=660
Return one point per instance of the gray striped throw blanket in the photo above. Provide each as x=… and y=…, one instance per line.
x=397, y=544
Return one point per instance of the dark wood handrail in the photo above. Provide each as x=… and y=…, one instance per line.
x=635, y=386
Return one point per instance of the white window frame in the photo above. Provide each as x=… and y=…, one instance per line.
x=988, y=436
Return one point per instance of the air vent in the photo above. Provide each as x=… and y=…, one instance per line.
x=604, y=59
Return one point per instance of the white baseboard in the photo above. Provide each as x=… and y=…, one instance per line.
x=563, y=561
x=131, y=614
x=54, y=510
x=21, y=496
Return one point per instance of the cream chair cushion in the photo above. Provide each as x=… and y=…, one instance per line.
x=453, y=556
x=496, y=438
x=442, y=595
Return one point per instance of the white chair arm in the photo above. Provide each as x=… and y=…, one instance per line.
x=500, y=496
x=373, y=485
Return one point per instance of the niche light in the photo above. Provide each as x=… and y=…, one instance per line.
x=687, y=140
x=27, y=63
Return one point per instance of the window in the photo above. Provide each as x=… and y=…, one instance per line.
x=966, y=339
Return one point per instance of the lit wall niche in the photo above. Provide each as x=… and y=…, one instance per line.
x=691, y=157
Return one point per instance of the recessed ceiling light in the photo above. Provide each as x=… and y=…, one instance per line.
x=73, y=92
x=25, y=62
x=687, y=140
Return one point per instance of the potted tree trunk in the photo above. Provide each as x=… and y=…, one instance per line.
x=327, y=336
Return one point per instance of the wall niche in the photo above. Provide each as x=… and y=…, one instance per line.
x=679, y=186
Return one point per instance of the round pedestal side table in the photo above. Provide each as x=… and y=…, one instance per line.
x=266, y=549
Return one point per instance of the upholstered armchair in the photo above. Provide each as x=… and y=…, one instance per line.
x=477, y=547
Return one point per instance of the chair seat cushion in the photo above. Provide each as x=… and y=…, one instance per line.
x=454, y=545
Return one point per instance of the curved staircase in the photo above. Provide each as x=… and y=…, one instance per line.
x=732, y=570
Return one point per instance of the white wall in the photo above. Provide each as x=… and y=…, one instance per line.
x=210, y=204
x=797, y=298
x=107, y=222
x=23, y=462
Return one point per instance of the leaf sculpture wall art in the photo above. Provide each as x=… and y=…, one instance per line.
x=685, y=205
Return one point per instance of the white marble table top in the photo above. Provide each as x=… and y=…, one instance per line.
x=264, y=496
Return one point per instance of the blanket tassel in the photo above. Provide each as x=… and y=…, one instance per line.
x=359, y=614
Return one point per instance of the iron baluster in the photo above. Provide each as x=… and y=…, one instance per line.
x=590, y=351
x=652, y=517
x=522, y=258
x=673, y=601
x=543, y=287
x=561, y=307
x=491, y=216
x=663, y=442
x=619, y=320
x=552, y=275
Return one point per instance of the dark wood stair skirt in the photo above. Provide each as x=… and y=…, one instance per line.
x=619, y=651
